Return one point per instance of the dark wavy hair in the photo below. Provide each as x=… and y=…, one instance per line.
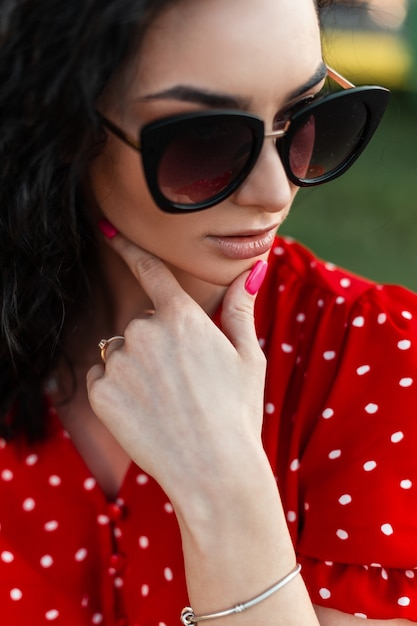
x=56, y=58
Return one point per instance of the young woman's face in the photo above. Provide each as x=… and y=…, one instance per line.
x=264, y=56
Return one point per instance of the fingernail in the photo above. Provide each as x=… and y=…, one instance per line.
x=107, y=228
x=256, y=277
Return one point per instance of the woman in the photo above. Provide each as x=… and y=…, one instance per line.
x=161, y=266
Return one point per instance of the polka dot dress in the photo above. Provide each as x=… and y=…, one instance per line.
x=340, y=430
x=69, y=557
x=341, y=435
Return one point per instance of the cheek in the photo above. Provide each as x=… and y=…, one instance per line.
x=118, y=186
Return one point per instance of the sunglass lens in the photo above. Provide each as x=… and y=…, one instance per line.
x=327, y=139
x=205, y=157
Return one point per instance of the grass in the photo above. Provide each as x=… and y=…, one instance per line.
x=366, y=220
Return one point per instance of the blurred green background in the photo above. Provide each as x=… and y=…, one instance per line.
x=366, y=220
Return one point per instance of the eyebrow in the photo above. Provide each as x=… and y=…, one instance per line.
x=319, y=75
x=210, y=99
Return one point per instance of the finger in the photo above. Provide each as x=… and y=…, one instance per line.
x=237, y=316
x=153, y=275
x=94, y=374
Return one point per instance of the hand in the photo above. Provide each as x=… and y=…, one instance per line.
x=181, y=396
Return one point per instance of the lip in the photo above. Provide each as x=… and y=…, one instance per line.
x=245, y=244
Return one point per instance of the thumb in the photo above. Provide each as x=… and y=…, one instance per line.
x=237, y=317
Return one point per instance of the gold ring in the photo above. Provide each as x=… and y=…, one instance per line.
x=104, y=344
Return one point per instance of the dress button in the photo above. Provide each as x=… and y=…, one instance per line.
x=117, y=562
x=116, y=511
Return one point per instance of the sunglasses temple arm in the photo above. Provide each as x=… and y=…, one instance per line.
x=119, y=133
x=339, y=79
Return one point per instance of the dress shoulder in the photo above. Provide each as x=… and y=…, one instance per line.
x=340, y=430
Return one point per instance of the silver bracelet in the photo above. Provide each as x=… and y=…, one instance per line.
x=188, y=618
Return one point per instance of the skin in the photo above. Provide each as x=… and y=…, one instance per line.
x=171, y=263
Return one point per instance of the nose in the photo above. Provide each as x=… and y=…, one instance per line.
x=267, y=185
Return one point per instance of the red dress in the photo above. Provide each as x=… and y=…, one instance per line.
x=340, y=432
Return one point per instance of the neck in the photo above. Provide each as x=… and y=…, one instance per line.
x=127, y=299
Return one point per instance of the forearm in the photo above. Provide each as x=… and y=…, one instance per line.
x=237, y=546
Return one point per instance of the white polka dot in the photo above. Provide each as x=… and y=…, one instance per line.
x=117, y=533
x=279, y=251
x=301, y=318
x=387, y=529
x=142, y=479
x=7, y=557
x=7, y=475
x=406, y=484
x=324, y=593
x=51, y=615
x=54, y=480
x=269, y=408
x=143, y=542
x=340, y=300
x=371, y=408
x=46, y=560
x=406, y=382
x=407, y=315
x=345, y=499
x=118, y=582
x=144, y=590
x=168, y=507
x=103, y=519
x=335, y=454
x=261, y=342
x=342, y=534
x=409, y=573
x=80, y=554
x=291, y=516
x=295, y=465
x=397, y=437
x=28, y=504
x=384, y=574
x=281, y=288
x=31, y=459
x=345, y=282
x=358, y=322
x=363, y=369
x=89, y=483
x=16, y=594
x=405, y=344
x=320, y=303
x=328, y=563
x=85, y=600
x=369, y=466
x=404, y=601
x=2, y=443
x=330, y=266
x=329, y=355
x=327, y=413
x=382, y=318
x=161, y=624
x=51, y=526
x=97, y=618
x=285, y=347
x=362, y=615
x=168, y=575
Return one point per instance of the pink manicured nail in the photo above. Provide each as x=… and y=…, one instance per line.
x=107, y=228
x=256, y=277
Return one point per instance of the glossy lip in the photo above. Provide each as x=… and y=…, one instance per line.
x=245, y=244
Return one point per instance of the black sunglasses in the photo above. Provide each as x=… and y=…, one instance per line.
x=196, y=160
